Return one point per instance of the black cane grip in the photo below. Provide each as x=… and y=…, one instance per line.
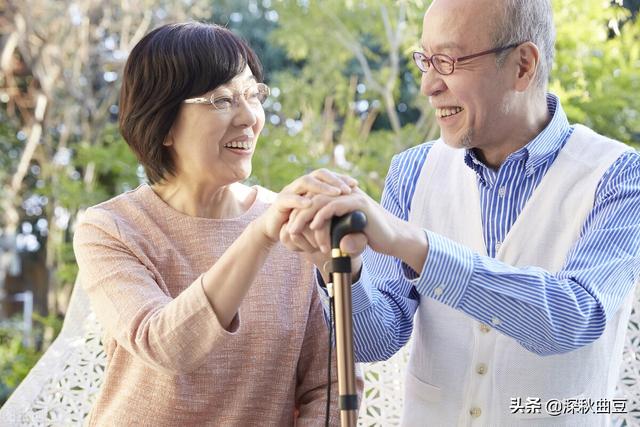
x=352, y=222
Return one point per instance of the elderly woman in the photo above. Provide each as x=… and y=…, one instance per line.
x=208, y=319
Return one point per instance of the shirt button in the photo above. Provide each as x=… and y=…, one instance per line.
x=497, y=246
x=481, y=368
x=484, y=328
x=475, y=412
x=502, y=191
x=438, y=291
x=496, y=321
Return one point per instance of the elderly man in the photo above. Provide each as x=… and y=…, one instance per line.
x=514, y=238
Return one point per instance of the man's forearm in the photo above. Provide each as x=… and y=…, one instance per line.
x=411, y=245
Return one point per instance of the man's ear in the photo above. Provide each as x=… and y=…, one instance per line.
x=527, y=57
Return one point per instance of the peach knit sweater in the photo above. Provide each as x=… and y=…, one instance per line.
x=169, y=361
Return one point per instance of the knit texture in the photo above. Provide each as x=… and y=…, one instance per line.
x=169, y=361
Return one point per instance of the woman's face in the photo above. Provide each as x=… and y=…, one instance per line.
x=213, y=145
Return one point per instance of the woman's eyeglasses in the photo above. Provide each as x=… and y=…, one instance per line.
x=254, y=95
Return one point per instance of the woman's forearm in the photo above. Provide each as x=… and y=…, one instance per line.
x=227, y=282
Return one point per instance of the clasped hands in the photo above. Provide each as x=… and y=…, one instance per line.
x=300, y=218
x=328, y=194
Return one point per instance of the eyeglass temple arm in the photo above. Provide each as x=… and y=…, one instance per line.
x=485, y=52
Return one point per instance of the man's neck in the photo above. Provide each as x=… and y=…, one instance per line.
x=529, y=123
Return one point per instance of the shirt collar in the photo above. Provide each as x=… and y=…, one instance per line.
x=538, y=150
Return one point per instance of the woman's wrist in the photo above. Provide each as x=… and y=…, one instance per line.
x=258, y=230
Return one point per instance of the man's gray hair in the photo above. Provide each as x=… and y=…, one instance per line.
x=528, y=20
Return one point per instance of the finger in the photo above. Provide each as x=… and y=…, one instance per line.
x=301, y=242
x=325, y=182
x=287, y=201
x=304, y=216
x=322, y=237
x=285, y=239
x=333, y=179
x=293, y=214
x=349, y=180
x=353, y=244
x=309, y=236
x=336, y=207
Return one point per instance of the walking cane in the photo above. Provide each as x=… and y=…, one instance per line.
x=341, y=277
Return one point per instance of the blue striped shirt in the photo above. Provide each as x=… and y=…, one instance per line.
x=546, y=313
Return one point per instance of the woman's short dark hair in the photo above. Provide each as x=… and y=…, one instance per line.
x=170, y=64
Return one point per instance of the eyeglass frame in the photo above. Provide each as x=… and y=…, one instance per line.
x=453, y=60
x=235, y=98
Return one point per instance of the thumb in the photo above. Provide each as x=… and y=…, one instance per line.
x=353, y=244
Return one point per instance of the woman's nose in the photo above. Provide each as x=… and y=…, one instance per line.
x=245, y=114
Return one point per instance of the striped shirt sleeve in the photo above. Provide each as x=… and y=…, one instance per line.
x=550, y=313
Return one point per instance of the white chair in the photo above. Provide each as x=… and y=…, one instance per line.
x=62, y=386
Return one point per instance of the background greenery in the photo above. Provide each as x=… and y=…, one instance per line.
x=344, y=96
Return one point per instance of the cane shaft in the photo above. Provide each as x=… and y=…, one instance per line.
x=344, y=350
x=353, y=222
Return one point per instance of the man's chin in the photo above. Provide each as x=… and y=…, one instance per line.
x=454, y=142
x=457, y=141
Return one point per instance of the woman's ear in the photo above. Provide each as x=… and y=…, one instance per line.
x=528, y=60
x=168, y=141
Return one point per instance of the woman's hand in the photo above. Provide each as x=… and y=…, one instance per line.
x=384, y=233
x=313, y=222
x=306, y=240
x=295, y=196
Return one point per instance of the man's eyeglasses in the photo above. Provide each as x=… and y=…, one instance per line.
x=254, y=95
x=445, y=64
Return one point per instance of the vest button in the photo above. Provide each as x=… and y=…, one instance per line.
x=484, y=328
x=481, y=368
x=475, y=412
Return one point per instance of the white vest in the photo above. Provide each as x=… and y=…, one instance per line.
x=463, y=373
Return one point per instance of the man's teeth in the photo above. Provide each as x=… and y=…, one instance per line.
x=245, y=145
x=446, y=112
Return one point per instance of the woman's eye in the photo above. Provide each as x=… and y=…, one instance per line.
x=223, y=102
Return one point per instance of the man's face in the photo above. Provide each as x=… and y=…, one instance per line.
x=472, y=104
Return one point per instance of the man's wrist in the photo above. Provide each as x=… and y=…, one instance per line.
x=411, y=245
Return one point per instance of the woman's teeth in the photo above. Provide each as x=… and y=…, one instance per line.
x=446, y=112
x=245, y=145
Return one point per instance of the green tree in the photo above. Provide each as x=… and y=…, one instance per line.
x=597, y=71
x=352, y=86
x=351, y=90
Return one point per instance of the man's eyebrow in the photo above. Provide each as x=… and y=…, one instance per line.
x=442, y=46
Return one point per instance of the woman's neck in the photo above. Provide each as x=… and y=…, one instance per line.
x=206, y=201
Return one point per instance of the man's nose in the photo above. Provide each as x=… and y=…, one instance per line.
x=432, y=83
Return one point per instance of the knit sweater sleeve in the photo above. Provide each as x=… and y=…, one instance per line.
x=173, y=335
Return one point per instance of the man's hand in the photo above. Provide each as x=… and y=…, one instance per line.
x=384, y=232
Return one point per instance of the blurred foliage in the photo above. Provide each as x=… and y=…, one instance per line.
x=345, y=97
x=597, y=72
x=596, y=75
x=16, y=359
